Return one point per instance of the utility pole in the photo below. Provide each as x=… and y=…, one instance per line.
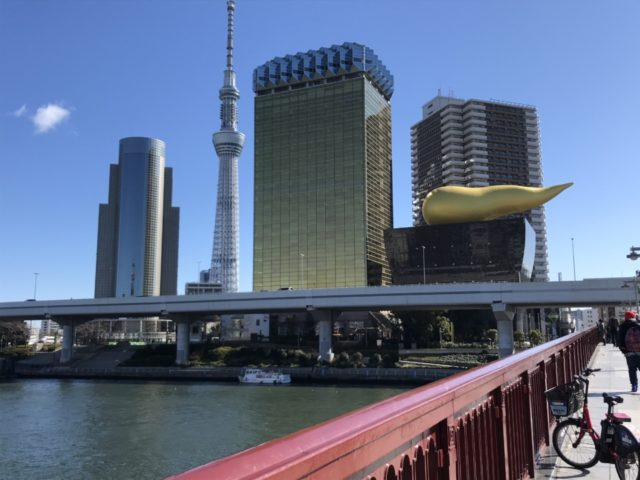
x=573, y=255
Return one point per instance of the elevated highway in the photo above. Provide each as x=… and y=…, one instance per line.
x=503, y=298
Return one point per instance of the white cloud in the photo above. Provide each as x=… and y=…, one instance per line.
x=49, y=116
x=20, y=112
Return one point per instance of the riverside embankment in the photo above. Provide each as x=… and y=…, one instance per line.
x=6, y=367
x=299, y=374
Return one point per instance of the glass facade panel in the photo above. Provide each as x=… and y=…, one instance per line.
x=139, y=251
x=322, y=186
x=499, y=251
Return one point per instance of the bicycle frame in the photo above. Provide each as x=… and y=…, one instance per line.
x=586, y=425
x=606, y=453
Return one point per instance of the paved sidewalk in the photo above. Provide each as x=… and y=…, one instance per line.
x=613, y=379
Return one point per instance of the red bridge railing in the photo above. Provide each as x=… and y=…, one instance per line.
x=486, y=423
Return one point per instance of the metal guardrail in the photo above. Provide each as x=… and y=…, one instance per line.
x=487, y=423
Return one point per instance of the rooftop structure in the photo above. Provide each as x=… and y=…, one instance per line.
x=324, y=65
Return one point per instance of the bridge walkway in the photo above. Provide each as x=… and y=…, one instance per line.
x=613, y=379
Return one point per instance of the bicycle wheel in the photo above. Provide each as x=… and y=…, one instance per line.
x=628, y=466
x=577, y=452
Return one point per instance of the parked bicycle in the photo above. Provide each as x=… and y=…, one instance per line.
x=576, y=441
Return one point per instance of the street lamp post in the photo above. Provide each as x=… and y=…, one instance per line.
x=635, y=289
x=634, y=255
x=573, y=256
x=302, y=269
x=35, y=292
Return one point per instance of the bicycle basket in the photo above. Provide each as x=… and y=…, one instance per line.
x=566, y=399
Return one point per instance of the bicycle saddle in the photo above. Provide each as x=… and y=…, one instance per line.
x=612, y=400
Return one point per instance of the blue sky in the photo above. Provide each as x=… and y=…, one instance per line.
x=76, y=76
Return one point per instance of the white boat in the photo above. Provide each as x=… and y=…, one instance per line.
x=259, y=376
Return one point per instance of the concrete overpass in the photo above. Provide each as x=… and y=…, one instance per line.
x=503, y=298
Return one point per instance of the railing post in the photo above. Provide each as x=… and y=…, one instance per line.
x=451, y=462
x=572, y=363
x=528, y=415
x=563, y=358
x=545, y=409
x=503, y=437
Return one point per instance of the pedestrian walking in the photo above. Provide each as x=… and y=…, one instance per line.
x=602, y=331
x=614, y=324
x=629, y=344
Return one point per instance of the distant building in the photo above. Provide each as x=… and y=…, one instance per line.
x=245, y=327
x=203, y=285
x=478, y=143
x=48, y=327
x=322, y=183
x=137, y=252
x=585, y=318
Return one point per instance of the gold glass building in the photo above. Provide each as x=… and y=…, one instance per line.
x=322, y=170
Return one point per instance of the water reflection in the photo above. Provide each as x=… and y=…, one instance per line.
x=79, y=429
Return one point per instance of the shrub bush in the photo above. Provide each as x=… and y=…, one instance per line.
x=389, y=360
x=535, y=337
x=342, y=360
x=375, y=360
x=357, y=359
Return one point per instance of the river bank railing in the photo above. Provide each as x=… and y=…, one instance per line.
x=487, y=423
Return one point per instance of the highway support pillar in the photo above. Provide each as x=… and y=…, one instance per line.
x=504, y=318
x=521, y=315
x=182, y=340
x=68, y=336
x=325, y=330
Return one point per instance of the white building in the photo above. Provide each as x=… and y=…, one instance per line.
x=48, y=328
x=244, y=327
x=585, y=318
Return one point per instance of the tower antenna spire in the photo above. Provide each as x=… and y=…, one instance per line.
x=231, y=6
x=228, y=142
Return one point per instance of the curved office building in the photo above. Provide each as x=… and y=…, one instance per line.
x=139, y=256
x=138, y=229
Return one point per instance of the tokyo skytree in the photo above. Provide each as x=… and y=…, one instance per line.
x=228, y=142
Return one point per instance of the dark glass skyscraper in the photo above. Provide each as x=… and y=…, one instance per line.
x=322, y=169
x=137, y=251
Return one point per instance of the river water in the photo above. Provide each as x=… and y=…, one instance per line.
x=92, y=429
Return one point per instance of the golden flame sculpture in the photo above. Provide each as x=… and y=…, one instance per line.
x=454, y=204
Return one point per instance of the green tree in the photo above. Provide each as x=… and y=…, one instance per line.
x=519, y=338
x=358, y=359
x=375, y=360
x=13, y=333
x=535, y=337
x=422, y=327
x=445, y=327
x=492, y=335
x=471, y=325
x=342, y=360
